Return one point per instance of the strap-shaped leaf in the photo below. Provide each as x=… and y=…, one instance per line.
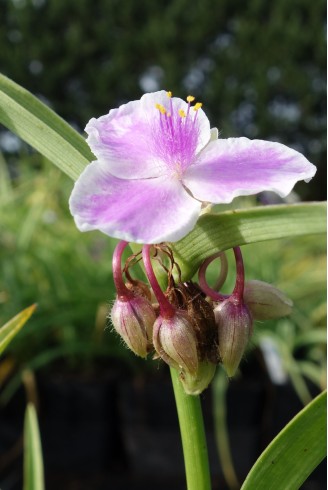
x=11, y=328
x=33, y=462
x=215, y=232
x=42, y=128
x=294, y=453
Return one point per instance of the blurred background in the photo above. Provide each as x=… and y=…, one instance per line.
x=108, y=419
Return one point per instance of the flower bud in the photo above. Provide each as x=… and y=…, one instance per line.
x=175, y=341
x=133, y=319
x=190, y=298
x=266, y=302
x=195, y=384
x=234, y=330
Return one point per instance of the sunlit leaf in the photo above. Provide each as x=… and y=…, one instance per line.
x=294, y=453
x=214, y=232
x=33, y=463
x=42, y=128
x=11, y=328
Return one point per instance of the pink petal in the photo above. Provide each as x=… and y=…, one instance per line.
x=142, y=211
x=123, y=139
x=136, y=141
x=238, y=166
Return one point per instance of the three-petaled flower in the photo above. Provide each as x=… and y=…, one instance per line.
x=158, y=161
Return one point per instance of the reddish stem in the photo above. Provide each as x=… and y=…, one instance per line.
x=202, y=279
x=122, y=290
x=166, y=309
x=238, y=292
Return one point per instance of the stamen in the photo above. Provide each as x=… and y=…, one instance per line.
x=161, y=108
x=182, y=113
x=169, y=94
x=190, y=98
x=197, y=106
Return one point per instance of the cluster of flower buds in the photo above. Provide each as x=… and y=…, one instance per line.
x=190, y=326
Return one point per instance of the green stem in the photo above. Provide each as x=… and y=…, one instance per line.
x=192, y=436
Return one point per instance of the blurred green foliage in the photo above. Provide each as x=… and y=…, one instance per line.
x=44, y=259
x=259, y=67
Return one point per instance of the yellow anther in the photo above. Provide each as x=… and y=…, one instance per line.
x=190, y=98
x=161, y=108
x=182, y=113
x=197, y=106
x=169, y=94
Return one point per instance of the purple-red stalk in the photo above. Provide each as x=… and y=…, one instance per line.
x=123, y=292
x=166, y=309
x=238, y=292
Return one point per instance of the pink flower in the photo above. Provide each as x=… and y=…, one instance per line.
x=158, y=161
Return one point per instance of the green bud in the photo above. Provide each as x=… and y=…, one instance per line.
x=194, y=384
x=266, y=302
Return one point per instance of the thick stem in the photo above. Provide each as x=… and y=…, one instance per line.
x=238, y=292
x=192, y=436
x=121, y=289
x=166, y=309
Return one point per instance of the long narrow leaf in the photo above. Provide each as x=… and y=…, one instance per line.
x=11, y=328
x=294, y=453
x=42, y=128
x=33, y=463
x=215, y=232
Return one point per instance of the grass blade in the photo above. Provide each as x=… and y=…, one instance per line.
x=294, y=453
x=215, y=232
x=33, y=463
x=11, y=328
x=42, y=128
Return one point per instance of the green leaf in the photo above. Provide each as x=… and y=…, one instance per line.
x=42, y=128
x=294, y=453
x=11, y=328
x=215, y=232
x=33, y=464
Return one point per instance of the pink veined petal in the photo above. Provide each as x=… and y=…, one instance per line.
x=232, y=167
x=123, y=140
x=202, y=123
x=141, y=211
x=137, y=141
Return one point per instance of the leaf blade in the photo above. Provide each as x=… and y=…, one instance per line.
x=11, y=328
x=294, y=453
x=215, y=232
x=42, y=128
x=33, y=461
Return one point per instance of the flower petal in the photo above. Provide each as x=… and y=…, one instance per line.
x=232, y=167
x=142, y=211
x=123, y=139
x=134, y=143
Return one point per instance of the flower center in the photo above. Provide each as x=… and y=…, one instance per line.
x=177, y=134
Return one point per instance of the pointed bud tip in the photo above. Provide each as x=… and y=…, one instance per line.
x=234, y=324
x=265, y=301
x=175, y=342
